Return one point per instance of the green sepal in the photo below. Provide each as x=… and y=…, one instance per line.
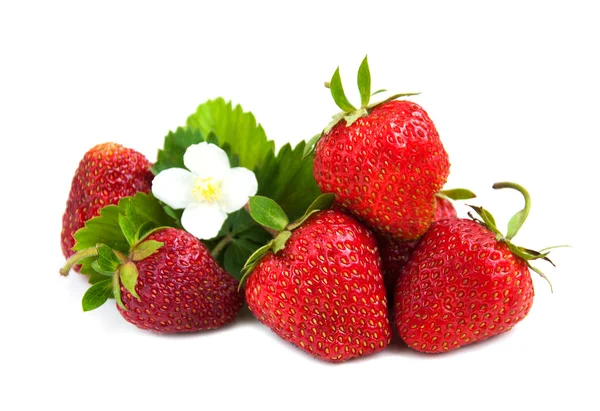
x=107, y=259
x=488, y=219
x=145, y=249
x=311, y=144
x=456, y=194
x=381, y=90
x=323, y=202
x=128, y=274
x=364, y=83
x=337, y=92
x=116, y=286
x=97, y=295
x=280, y=240
x=99, y=270
x=253, y=260
x=267, y=213
x=128, y=228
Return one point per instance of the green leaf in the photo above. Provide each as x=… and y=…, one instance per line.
x=323, y=202
x=364, y=83
x=457, y=194
x=129, y=275
x=96, y=277
x=107, y=260
x=175, y=145
x=237, y=254
x=232, y=126
x=337, y=92
x=268, y=213
x=288, y=180
x=128, y=228
x=97, y=295
x=145, y=249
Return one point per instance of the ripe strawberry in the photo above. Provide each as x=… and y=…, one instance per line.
x=385, y=163
x=106, y=173
x=464, y=282
x=323, y=291
x=180, y=287
x=166, y=281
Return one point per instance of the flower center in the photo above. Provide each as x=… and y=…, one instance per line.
x=206, y=189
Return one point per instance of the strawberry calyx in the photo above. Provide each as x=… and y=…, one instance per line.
x=349, y=112
x=114, y=267
x=271, y=216
x=514, y=225
x=456, y=194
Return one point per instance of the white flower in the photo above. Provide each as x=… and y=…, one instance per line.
x=208, y=191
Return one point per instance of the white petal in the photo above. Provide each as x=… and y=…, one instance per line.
x=206, y=160
x=174, y=187
x=203, y=220
x=239, y=184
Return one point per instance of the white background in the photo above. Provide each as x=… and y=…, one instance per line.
x=513, y=90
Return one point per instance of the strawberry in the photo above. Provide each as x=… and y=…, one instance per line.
x=385, y=163
x=180, y=288
x=167, y=282
x=106, y=173
x=464, y=282
x=322, y=290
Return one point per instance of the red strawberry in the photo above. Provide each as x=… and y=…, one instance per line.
x=462, y=284
x=385, y=168
x=384, y=162
x=324, y=290
x=180, y=287
x=106, y=173
x=167, y=283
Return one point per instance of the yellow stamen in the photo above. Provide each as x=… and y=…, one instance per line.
x=206, y=189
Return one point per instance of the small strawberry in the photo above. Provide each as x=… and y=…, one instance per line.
x=465, y=282
x=168, y=282
x=106, y=173
x=395, y=253
x=385, y=162
x=319, y=286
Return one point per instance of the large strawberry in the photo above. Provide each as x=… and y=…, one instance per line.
x=385, y=162
x=167, y=282
x=106, y=173
x=320, y=286
x=465, y=282
x=395, y=253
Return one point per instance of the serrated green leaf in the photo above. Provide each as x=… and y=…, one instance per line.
x=267, y=213
x=128, y=274
x=288, y=180
x=364, y=83
x=107, y=259
x=337, y=92
x=323, y=202
x=457, y=194
x=145, y=249
x=236, y=256
x=174, y=147
x=232, y=126
x=97, y=295
x=128, y=228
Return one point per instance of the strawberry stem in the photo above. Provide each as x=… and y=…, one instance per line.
x=77, y=257
x=220, y=246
